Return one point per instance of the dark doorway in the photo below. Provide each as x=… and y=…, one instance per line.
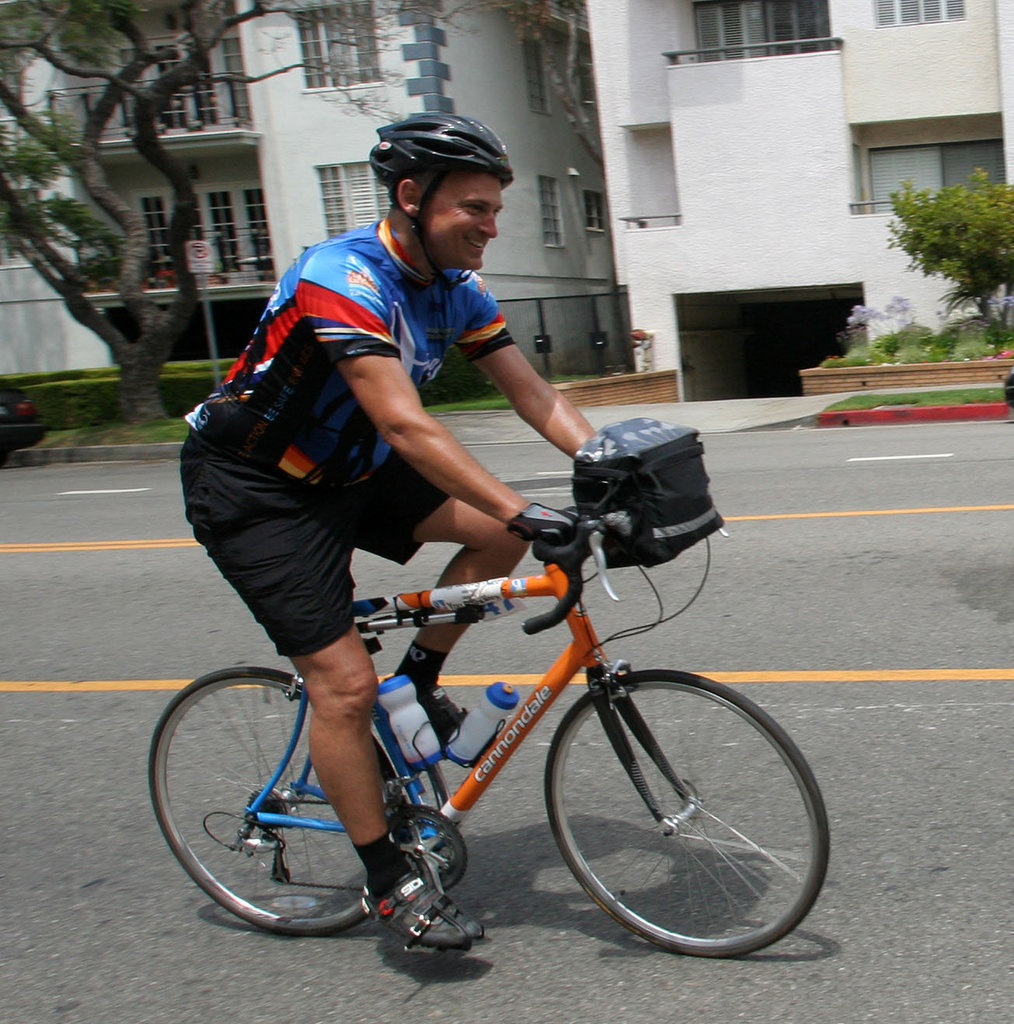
x=234, y=320
x=786, y=337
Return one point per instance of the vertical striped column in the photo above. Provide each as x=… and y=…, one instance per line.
x=429, y=85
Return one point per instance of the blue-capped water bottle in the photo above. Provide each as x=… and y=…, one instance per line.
x=409, y=723
x=481, y=723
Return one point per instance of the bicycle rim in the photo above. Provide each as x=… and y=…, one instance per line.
x=216, y=745
x=740, y=854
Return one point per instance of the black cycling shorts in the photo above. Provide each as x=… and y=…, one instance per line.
x=287, y=547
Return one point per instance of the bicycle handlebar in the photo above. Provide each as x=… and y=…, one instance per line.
x=570, y=558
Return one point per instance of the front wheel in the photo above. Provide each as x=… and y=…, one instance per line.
x=215, y=748
x=720, y=847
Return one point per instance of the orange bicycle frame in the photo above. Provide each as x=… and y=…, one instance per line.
x=583, y=651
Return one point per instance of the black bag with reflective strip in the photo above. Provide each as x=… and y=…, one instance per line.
x=646, y=480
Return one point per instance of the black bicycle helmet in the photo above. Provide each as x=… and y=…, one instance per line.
x=441, y=142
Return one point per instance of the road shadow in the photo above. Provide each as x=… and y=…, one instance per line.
x=516, y=878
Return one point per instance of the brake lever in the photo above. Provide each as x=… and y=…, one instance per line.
x=599, y=557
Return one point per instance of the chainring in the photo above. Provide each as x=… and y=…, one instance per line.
x=424, y=833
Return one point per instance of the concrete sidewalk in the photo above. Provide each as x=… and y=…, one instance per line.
x=719, y=417
x=502, y=427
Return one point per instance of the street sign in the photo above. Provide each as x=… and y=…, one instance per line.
x=200, y=259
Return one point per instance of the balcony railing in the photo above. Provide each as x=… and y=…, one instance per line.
x=872, y=206
x=657, y=220
x=196, y=108
x=780, y=48
x=241, y=257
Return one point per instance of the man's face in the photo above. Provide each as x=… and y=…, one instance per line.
x=460, y=218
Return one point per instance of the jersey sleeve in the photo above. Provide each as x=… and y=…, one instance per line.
x=341, y=299
x=487, y=330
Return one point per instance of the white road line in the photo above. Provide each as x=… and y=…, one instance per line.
x=891, y=458
x=122, y=490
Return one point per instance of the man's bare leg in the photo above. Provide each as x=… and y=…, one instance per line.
x=342, y=687
x=488, y=551
x=341, y=684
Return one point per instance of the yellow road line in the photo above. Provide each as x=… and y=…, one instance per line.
x=89, y=685
x=872, y=512
x=96, y=545
x=904, y=675
x=37, y=547
x=913, y=675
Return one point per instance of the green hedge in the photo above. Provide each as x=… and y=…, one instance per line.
x=90, y=398
x=23, y=380
x=457, y=381
x=67, y=404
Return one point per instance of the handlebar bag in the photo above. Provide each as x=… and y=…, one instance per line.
x=646, y=481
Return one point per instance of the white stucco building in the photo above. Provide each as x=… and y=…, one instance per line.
x=280, y=163
x=751, y=146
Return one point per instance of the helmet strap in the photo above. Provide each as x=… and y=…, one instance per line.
x=417, y=228
x=416, y=224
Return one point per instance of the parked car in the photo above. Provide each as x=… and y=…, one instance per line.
x=1008, y=389
x=19, y=424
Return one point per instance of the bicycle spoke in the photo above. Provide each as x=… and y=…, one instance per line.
x=215, y=748
x=739, y=853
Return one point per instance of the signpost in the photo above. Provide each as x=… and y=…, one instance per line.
x=201, y=262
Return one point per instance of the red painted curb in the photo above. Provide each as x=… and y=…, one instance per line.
x=914, y=414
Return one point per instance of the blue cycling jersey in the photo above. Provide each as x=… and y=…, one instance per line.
x=285, y=405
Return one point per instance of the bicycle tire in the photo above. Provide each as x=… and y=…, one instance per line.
x=737, y=861
x=215, y=746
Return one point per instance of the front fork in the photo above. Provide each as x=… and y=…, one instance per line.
x=615, y=706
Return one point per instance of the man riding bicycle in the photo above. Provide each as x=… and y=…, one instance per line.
x=317, y=443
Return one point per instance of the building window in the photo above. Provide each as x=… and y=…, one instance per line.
x=156, y=223
x=535, y=77
x=232, y=64
x=339, y=45
x=352, y=197
x=260, y=236
x=549, y=201
x=224, y=237
x=728, y=25
x=918, y=12
x=594, y=211
x=932, y=167
x=234, y=223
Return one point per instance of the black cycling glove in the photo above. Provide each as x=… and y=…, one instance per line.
x=555, y=526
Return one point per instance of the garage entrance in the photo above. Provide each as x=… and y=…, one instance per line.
x=753, y=344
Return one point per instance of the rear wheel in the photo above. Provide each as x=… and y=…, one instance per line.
x=735, y=855
x=216, y=746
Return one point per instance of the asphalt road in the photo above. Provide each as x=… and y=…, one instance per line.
x=866, y=580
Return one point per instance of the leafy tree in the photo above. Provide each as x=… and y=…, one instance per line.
x=57, y=208
x=966, y=234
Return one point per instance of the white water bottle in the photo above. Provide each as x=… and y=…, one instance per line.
x=481, y=723
x=409, y=723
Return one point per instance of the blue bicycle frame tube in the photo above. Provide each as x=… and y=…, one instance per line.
x=413, y=787
x=302, y=786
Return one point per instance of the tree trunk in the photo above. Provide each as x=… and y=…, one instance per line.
x=140, y=397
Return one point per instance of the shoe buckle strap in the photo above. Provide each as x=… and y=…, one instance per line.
x=424, y=918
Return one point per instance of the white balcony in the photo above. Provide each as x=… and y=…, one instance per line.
x=208, y=115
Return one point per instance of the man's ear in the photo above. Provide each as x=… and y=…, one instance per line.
x=408, y=194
